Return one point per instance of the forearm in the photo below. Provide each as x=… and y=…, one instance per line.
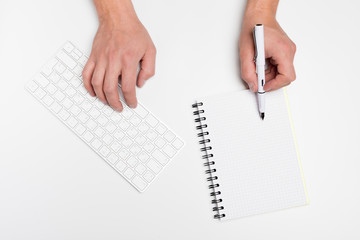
x=114, y=12
x=266, y=8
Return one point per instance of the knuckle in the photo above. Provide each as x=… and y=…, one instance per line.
x=96, y=84
x=109, y=89
x=128, y=57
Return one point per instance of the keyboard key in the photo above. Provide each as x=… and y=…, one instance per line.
x=161, y=129
x=141, y=111
x=86, y=105
x=32, y=86
x=169, y=150
x=112, y=158
x=104, y=151
x=74, y=56
x=90, y=98
x=78, y=70
x=129, y=173
x=83, y=60
x=88, y=136
x=140, y=168
x=80, y=129
x=99, y=132
x=83, y=117
x=78, y=98
x=107, y=139
x=119, y=134
x=135, y=120
x=70, y=91
x=127, y=113
x=41, y=80
x=77, y=52
x=121, y=166
x=64, y=114
x=135, y=149
x=115, y=146
x=169, y=136
x=62, y=84
x=40, y=93
x=48, y=100
x=160, y=142
x=139, y=183
x=107, y=111
x=67, y=75
x=143, y=157
x=149, y=176
x=96, y=143
x=154, y=166
x=75, y=82
x=75, y=110
x=68, y=47
x=66, y=59
x=91, y=124
x=102, y=120
x=177, y=143
x=132, y=132
x=143, y=127
x=94, y=113
x=67, y=103
x=151, y=134
x=47, y=70
x=151, y=120
x=123, y=154
x=132, y=161
x=72, y=121
x=127, y=142
x=55, y=107
x=115, y=117
x=51, y=89
x=123, y=125
x=59, y=96
x=99, y=104
x=140, y=140
x=54, y=77
x=149, y=147
x=160, y=157
x=110, y=127
x=59, y=67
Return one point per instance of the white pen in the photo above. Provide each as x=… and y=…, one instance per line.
x=260, y=66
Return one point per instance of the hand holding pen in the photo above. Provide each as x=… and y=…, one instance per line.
x=279, y=50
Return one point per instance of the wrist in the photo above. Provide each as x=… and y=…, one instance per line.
x=115, y=13
x=263, y=10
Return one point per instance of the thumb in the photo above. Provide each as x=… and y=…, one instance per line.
x=248, y=70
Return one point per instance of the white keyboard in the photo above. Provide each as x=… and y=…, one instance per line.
x=134, y=142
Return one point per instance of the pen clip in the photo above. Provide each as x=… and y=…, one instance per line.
x=256, y=52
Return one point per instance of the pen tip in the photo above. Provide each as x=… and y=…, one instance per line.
x=262, y=115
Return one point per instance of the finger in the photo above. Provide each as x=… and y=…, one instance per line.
x=248, y=70
x=147, y=67
x=282, y=79
x=128, y=81
x=98, y=81
x=270, y=73
x=87, y=74
x=111, y=86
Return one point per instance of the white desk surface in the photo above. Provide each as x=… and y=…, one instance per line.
x=52, y=186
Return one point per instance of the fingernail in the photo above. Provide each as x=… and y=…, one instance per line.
x=251, y=86
x=132, y=105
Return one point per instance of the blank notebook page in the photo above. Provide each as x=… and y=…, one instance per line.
x=256, y=160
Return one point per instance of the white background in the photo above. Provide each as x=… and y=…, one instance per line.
x=52, y=186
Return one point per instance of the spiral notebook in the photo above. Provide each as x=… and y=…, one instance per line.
x=252, y=165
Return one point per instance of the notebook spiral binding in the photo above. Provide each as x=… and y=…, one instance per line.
x=211, y=170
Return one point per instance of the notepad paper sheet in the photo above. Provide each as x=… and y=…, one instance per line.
x=256, y=160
